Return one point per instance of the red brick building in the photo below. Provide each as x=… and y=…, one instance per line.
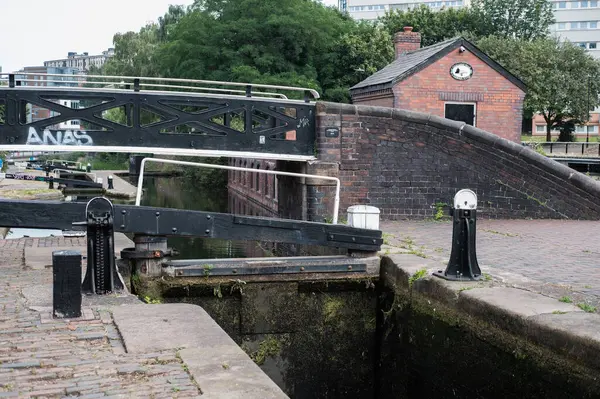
x=451, y=79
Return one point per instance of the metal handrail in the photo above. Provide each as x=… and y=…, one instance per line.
x=336, y=202
x=584, y=145
x=210, y=89
x=135, y=80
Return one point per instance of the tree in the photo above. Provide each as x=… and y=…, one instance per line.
x=561, y=78
x=436, y=26
x=523, y=19
x=355, y=56
x=503, y=18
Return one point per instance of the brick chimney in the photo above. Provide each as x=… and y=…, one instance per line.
x=407, y=41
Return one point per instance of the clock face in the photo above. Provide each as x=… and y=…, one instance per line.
x=461, y=71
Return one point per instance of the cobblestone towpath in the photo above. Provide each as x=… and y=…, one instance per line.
x=41, y=357
x=558, y=253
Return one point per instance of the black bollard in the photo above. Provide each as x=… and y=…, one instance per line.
x=110, y=183
x=88, y=168
x=51, y=182
x=66, y=296
x=463, y=263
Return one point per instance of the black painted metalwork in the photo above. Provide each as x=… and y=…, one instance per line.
x=463, y=263
x=223, y=270
x=158, y=120
x=175, y=222
x=51, y=180
x=66, y=284
x=101, y=275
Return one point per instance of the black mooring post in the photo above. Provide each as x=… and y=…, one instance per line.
x=110, y=182
x=66, y=287
x=101, y=276
x=51, y=183
x=463, y=263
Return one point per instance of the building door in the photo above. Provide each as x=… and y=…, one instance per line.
x=461, y=112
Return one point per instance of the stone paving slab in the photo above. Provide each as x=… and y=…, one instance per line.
x=559, y=253
x=121, y=186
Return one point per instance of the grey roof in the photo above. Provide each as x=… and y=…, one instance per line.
x=413, y=61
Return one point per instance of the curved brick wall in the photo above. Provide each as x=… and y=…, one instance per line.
x=405, y=162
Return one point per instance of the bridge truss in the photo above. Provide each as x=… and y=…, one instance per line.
x=155, y=115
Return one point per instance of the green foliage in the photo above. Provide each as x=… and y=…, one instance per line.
x=559, y=76
x=436, y=26
x=566, y=299
x=153, y=301
x=522, y=19
x=501, y=18
x=586, y=307
x=270, y=347
x=210, y=40
x=439, y=210
x=567, y=129
x=417, y=276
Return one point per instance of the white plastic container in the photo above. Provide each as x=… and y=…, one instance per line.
x=364, y=217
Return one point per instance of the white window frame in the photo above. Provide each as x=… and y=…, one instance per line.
x=540, y=128
x=464, y=103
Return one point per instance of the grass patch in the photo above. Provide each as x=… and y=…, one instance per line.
x=586, y=308
x=439, y=210
x=566, y=299
x=558, y=312
x=417, y=276
x=386, y=238
x=501, y=234
x=108, y=165
x=408, y=243
x=27, y=193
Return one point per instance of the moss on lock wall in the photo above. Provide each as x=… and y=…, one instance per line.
x=316, y=339
x=429, y=349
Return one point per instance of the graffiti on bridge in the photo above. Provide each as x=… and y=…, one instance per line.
x=68, y=137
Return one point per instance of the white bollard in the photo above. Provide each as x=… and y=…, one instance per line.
x=363, y=217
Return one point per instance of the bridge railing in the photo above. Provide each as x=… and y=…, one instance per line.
x=564, y=148
x=138, y=83
x=169, y=116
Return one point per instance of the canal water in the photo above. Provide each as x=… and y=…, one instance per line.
x=181, y=193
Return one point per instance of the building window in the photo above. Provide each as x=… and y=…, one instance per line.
x=592, y=46
x=592, y=129
x=580, y=129
x=594, y=25
x=562, y=4
x=574, y=4
x=583, y=4
x=540, y=128
x=562, y=26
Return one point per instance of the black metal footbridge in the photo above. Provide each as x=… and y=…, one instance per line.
x=177, y=117
x=97, y=113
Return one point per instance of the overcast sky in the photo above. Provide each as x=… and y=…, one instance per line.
x=34, y=31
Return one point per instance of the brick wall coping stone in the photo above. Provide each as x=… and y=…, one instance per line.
x=562, y=329
x=460, y=129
